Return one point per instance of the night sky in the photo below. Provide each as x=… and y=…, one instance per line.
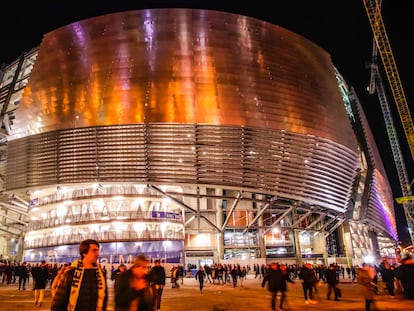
x=341, y=27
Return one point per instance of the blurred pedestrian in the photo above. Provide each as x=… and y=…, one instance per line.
x=40, y=276
x=235, y=273
x=332, y=280
x=175, y=274
x=208, y=271
x=22, y=273
x=273, y=278
x=365, y=278
x=181, y=273
x=117, y=272
x=242, y=275
x=157, y=277
x=133, y=291
x=201, y=276
x=308, y=278
x=406, y=276
x=388, y=277
x=8, y=272
x=283, y=288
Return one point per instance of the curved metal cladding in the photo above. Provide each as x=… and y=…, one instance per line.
x=377, y=207
x=379, y=211
x=184, y=96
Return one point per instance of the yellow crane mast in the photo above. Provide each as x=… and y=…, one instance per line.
x=373, y=10
x=377, y=25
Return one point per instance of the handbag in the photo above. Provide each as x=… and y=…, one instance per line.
x=338, y=292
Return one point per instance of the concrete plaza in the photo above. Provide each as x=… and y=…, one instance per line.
x=224, y=297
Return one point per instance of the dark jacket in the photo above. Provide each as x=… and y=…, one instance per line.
x=157, y=275
x=115, y=274
x=23, y=271
x=331, y=276
x=406, y=275
x=308, y=276
x=125, y=294
x=200, y=275
x=388, y=275
x=235, y=273
x=274, y=279
x=40, y=277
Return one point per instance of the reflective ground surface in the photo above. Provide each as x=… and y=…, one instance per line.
x=224, y=297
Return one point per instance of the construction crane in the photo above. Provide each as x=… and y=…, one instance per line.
x=406, y=199
x=381, y=44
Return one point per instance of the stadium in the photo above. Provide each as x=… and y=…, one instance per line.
x=193, y=136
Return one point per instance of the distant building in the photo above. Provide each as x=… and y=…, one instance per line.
x=190, y=135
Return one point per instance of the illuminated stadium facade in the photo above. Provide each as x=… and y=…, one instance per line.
x=189, y=135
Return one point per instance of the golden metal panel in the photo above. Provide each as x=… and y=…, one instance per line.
x=182, y=66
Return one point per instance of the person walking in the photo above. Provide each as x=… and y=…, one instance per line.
x=53, y=270
x=133, y=291
x=116, y=273
x=200, y=276
x=286, y=278
x=332, y=280
x=273, y=278
x=405, y=273
x=388, y=277
x=40, y=277
x=181, y=273
x=8, y=272
x=83, y=286
x=309, y=280
x=174, y=277
x=242, y=275
x=208, y=272
x=365, y=277
x=235, y=273
x=157, y=277
x=22, y=273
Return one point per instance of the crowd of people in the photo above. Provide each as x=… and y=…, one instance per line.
x=12, y=272
x=26, y=276
x=367, y=276
x=83, y=284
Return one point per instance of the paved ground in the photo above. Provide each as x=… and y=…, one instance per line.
x=225, y=298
